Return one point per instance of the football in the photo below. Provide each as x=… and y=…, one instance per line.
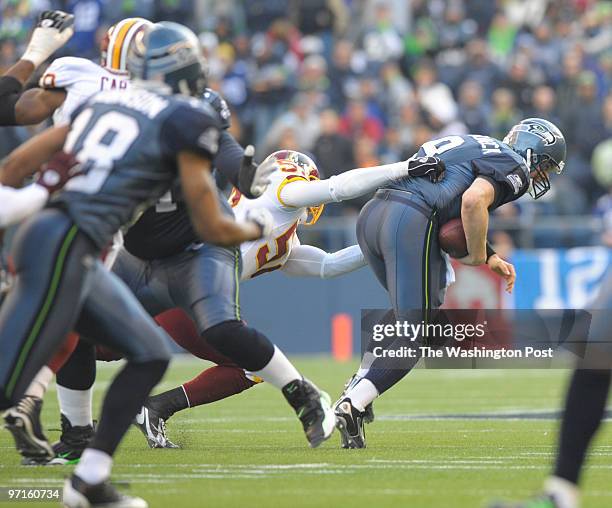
x=452, y=239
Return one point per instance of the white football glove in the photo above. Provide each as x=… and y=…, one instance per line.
x=263, y=218
x=52, y=31
x=254, y=179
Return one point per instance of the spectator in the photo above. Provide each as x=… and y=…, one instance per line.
x=358, y=123
x=473, y=109
x=504, y=113
x=545, y=104
x=300, y=116
x=343, y=74
x=333, y=152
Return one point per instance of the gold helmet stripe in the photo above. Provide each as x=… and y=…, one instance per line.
x=120, y=36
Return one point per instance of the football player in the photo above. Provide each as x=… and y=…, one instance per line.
x=398, y=234
x=66, y=84
x=132, y=146
x=296, y=196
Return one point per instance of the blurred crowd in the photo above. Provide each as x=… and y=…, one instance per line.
x=359, y=83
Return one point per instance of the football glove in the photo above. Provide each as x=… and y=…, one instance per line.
x=254, y=179
x=263, y=218
x=55, y=173
x=52, y=31
x=429, y=167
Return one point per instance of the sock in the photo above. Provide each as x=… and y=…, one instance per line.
x=362, y=394
x=94, y=466
x=279, y=371
x=565, y=493
x=216, y=383
x=38, y=386
x=75, y=405
x=168, y=403
x=584, y=410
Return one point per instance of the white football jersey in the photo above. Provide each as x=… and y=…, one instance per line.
x=81, y=78
x=268, y=254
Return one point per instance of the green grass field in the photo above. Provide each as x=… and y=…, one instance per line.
x=250, y=450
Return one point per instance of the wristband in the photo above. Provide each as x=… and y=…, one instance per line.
x=490, y=251
x=9, y=85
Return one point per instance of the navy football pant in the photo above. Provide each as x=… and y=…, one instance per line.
x=398, y=235
x=61, y=285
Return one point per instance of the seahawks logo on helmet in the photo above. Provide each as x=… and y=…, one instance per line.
x=539, y=130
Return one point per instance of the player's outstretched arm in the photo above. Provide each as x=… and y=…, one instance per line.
x=53, y=30
x=351, y=184
x=310, y=261
x=475, y=204
x=28, y=158
x=209, y=222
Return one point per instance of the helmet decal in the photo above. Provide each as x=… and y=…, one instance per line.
x=120, y=36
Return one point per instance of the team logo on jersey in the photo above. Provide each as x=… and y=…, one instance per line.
x=516, y=182
x=209, y=140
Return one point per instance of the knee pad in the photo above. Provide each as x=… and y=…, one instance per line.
x=245, y=346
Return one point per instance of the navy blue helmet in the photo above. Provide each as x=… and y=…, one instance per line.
x=170, y=53
x=542, y=145
x=220, y=106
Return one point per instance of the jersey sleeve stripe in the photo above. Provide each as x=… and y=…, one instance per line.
x=285, y=182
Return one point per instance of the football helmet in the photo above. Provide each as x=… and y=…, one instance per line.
x=543, y=147
x=169, y=53
x=116, y=42
x=303, y=167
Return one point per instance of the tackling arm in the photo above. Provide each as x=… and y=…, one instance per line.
x=475, y=204
x=309, y=261
x=347, y=185
x=202, y=199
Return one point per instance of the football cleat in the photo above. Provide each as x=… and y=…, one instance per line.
x=313, y=408
x=368, y=413
x=153, y=426
x=544, y=501
x=73, y=441
x=350, y=424
x=79, y=494
x=23, y=421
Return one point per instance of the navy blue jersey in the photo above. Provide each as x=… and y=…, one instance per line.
x=165, y=228
x=127, y=142
x=467, y=158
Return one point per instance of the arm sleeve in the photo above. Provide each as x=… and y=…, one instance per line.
x=508, y=177
x=17, y=204
x=229, y=157
x=309, y=261
x=10, y=90
x=348, y=185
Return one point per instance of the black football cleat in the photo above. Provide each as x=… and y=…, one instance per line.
x=544, y=501
x=153, y=427
x=350, y=423
x=79, y=494
x=23, y=421
x=368, y=413
x=313, y=408
x=72, y=443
